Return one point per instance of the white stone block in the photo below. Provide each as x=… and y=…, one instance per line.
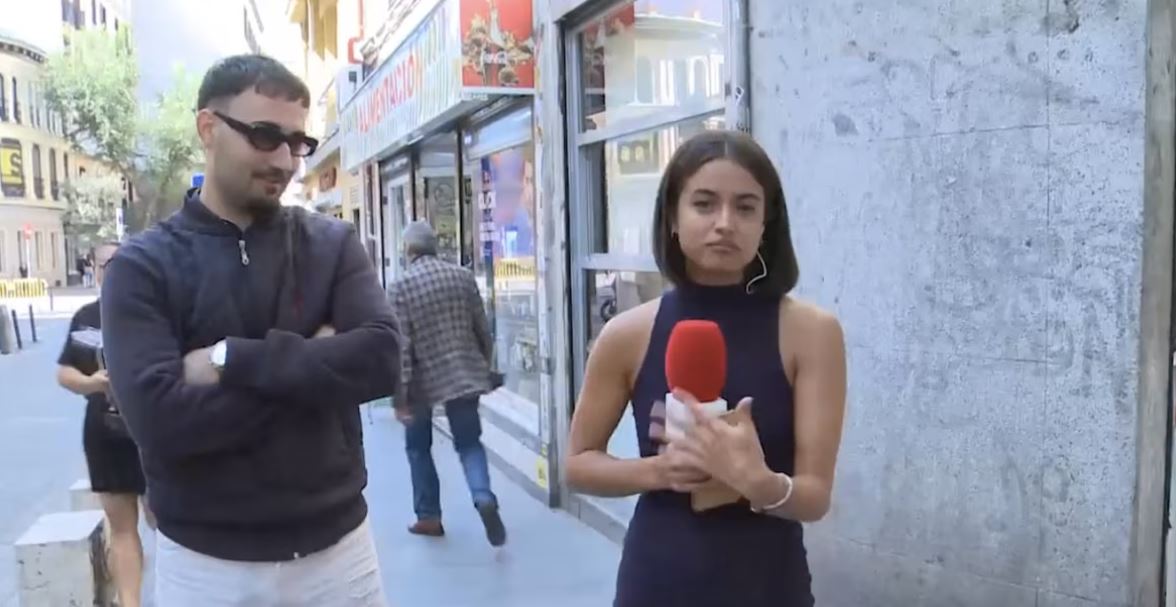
x=82, y=498
x=61, y=561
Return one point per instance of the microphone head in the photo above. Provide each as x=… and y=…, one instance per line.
x=696, y=359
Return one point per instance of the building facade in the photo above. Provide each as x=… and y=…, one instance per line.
x=36, y=161
x=968, y=192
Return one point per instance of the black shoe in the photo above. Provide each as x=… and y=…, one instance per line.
x=495, y=530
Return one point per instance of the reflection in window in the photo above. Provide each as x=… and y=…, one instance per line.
x=505, y=263
x=631, y=172
x=644, y=80
x=621, y=49
x=613, y=292
x=701, y=85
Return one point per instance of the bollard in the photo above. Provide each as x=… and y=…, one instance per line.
x=16, y=329
x=7, y=337
x=32, y=324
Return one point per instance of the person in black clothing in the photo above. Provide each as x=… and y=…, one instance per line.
x=242, y=336
x=111, y=456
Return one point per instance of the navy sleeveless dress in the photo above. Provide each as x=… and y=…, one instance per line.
x=727, y=556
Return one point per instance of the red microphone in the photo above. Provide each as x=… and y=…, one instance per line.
x=696, y=361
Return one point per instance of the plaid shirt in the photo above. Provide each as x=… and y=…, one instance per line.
x=448, y=348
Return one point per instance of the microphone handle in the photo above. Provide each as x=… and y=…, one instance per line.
x=679, y=417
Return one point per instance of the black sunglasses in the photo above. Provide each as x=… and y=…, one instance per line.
x=267, y=137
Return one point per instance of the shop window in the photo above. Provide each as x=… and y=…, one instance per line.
x=628, y=171
x=436, y=193
x=504, y=221
x=621, y=50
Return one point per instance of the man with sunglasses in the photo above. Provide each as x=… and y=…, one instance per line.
x=243, y=337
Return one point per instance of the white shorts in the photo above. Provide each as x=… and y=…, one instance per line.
x=344, y=575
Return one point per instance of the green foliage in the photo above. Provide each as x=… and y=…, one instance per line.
x=92, y=208
x=93, y=84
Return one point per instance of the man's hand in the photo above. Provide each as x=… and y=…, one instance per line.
x=325, y=331
x=198, y=369
x=403, y=415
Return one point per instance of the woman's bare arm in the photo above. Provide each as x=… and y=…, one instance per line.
x=819, y=391
x=79, y=383
x=608, y=380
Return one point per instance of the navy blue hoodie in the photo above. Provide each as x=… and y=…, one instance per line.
x=268, y=464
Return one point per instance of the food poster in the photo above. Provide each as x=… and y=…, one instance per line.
x=497, y=46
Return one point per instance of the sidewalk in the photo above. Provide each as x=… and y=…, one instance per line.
x=550, y=557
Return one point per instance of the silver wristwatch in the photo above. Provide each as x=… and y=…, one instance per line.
x=219, y=353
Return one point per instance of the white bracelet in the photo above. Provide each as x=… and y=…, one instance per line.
x=779, y=503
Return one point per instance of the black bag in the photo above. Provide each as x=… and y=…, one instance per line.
x=91, y=339
x=114, y=423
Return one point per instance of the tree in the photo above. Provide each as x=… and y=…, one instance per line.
x=92, y=84
x=92, y=208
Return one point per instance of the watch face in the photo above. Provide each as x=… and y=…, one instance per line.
x=218, y=354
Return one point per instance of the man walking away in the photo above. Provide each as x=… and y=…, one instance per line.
x=446, y=360
x=242, y=338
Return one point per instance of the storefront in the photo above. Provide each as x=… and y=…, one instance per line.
x=443, y=132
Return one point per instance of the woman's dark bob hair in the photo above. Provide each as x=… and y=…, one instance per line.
x=776, y=246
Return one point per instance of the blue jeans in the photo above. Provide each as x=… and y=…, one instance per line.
x=466, y=427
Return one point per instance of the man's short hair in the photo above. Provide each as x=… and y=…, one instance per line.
x=419, y=239
x=234, y=75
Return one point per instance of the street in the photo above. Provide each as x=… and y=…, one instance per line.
x=550, y=557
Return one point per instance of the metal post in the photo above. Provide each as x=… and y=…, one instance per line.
x=7, y=338
x=32, y=324
x=16, y=330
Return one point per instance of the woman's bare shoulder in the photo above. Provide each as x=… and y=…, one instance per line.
x=807, y=322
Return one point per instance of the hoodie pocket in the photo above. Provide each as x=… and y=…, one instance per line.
x=310, y=451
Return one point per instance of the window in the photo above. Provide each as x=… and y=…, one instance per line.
x=634, y=97
x=102, y=12
x=15, y=101
x=94, y=12
x=65, y=164
x=39, y=250
x=34, y=107
x=81, y=171
x=628, y=57
x=54, y=189
x=38, y=181
x=53, y=249
x=3, y=99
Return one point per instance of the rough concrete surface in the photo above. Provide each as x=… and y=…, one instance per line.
x=965, y=186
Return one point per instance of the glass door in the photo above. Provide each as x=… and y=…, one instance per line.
x=395, y=220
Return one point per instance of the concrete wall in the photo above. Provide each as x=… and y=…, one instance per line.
x=966, y=190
